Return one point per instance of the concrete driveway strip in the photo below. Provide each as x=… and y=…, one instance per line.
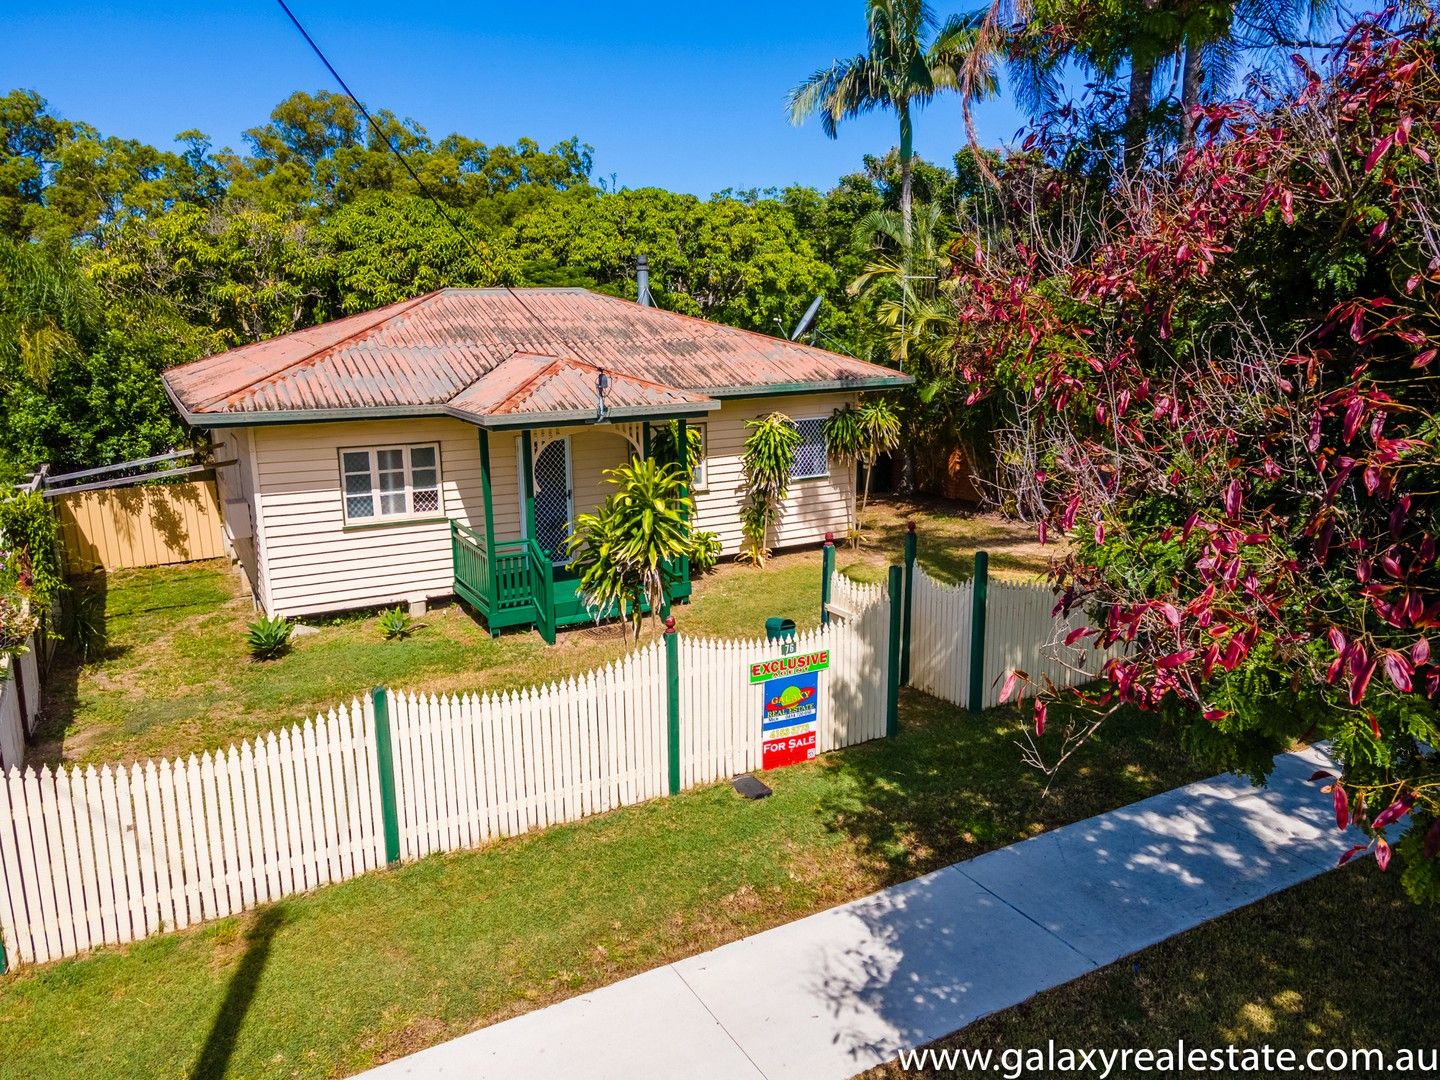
x=829, y=996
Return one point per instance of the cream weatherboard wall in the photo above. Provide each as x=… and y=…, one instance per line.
x=309, y=561
x=814, y=506
x=314, y=561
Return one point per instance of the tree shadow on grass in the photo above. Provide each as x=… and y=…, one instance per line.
x=952, y=785
x=219, y=1046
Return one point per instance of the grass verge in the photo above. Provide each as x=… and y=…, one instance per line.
x=1342, y=961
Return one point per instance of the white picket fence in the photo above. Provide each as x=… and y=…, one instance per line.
x=1020, y=633
x=90, y=857
x=19, y=701
x=715, y=683
x=940, y=638
x=849, y=597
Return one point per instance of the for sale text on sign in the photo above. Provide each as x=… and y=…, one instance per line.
x=788, y=724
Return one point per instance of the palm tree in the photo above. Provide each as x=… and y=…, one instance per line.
x=897, y=71
x=1193, y=45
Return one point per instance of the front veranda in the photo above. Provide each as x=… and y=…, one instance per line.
x=524, y=580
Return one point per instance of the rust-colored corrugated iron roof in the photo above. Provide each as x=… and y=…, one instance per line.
x=549, y=388
x=470, y=352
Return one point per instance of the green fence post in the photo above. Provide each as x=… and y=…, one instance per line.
x=827, y=569
x=910, y=544
x=385, y=765
x=672, y=702
x=978, y=601
x=892, y=680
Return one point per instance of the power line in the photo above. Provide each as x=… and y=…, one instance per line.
x=424, y=190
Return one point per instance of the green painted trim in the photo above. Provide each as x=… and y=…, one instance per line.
x=588, y=417
x=672, y=703
x=410, y=412
x=488, y=497
x=892, y=682
x=827, y=387
x=910, y=546
x=385, y=765
x=827, y=570
x=682, y=449
x=527, y=477
x=979, y=602
x=485, y=489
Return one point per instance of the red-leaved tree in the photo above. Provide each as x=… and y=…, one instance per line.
x=1218, y=380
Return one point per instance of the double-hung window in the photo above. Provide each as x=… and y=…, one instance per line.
x=391, y=482
x=812, y=459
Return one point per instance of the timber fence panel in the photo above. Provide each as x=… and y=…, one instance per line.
x=940, y=638
x=1022, y=633
x=150, y=525
x=721, y=709
x=90, y=856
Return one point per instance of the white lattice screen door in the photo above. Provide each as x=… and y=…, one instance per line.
x=554, y=506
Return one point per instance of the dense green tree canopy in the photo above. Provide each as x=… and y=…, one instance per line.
x=121, y=259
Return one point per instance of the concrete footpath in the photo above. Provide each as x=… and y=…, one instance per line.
x=833, y=994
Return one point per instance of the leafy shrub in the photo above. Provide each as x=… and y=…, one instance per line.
x=396, y=624
x=706, y=552
x=17, y=623
x=83, y=623
x=269, y=638
x=30, y=548
x=1223, y=395
x=768, y=458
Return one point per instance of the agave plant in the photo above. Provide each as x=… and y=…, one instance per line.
x=396, y=624
x=268, y=638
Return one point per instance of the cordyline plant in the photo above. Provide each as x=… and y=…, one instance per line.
x=1220, y=384
x=768, y=459
x=629, y=550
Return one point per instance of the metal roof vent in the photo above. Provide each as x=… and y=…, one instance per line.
x=642, y=282
x=602, y=384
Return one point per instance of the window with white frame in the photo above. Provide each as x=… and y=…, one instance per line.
x=812, y=459
x=391, y=482
x=700, y=476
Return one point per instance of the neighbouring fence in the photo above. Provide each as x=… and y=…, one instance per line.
x=963, y=652
x=91, y=856
x=19, y=701
x=153, y=525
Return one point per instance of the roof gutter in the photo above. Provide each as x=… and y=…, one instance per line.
x=883, y=382
x=587, y=416
x=633, y=412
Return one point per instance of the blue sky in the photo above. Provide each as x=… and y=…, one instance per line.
x=684, y=96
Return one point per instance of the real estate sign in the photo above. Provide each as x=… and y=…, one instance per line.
x=788, y=721
x=793, y=664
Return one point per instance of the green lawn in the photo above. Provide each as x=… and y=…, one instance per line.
x=173, y=676
x=328, y=983
x=1342, y=961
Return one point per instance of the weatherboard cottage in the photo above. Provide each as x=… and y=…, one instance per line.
x=443, y=446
